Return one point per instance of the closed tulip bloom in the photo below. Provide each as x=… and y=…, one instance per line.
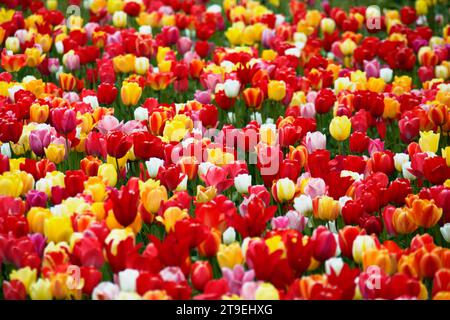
x=130, y=93
x=445, y=232
x=315, y=141
x=141, y=65
x=10, y=184
x=58, y=228
x=230, y=255
x=242, y=182
x=347, y=47
x=108, y=173
x=64, y=120
x=403, y=221
x=253, y=97
x=39, y=113
x=326, y=208
x=36, y=218
x=231, y=88
x=153, y=195
x=96, y=187
x=283, y=190
x=276, y=90
x=303, y=204
x=55, y=152
x=399, y=160
x=340, y=128
x=380, y=258
x=429, y=141
x=67, y=81
x=425, y=213
x=327, y=25
x=119, y=19
x=361, y=244
x=12, y=44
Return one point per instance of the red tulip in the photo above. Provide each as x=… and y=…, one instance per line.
x=118, y=144
x=324, y=101
x=14, y=290
x=91, y=277
x=359, y=142
x=124, y=203
x=435, y=170
x=352, y=211
x=106, y=93
x=10, y=130
x=74, y=182
x=88, y=252
x=147, y=145
x=346, y=237
x=208, y=115
x=382, y=161
x=325, y=244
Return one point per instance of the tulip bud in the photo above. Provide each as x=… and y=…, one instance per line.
x=127, y=280
x=12, y=44
x=201, y=274
x=283, y=190
x=231, y=88
x=386, y=74
x=229, y=236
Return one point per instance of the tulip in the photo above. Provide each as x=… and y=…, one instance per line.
x=403, y=221
x=201, y=274
x=119, y=19
x=242, y=182
x=39, y=113
x=315, y=141
x=171, y=216
x=253, y=98
x=13, y=63
x=340, y=128
x=58, y=228
x=327, y=25
x=41, y=290
x=105, y=291
x=231, y=88
x=152, y=195
x=108, y=173
x=276, y=90
x=10, y=184
x=283, y=190
x=445, y=232
x=14, y=290
x=380, y=258
x=325, y=244
x=127, y=280
x=130, y=93
x=141, y=65
x=229, y=256
x=25, y=275
x=67, y=81
x=106, y=93
x=39, y=140
x=425, y=213
x=326, y=208
x=429, y=141
x=12, y=44
x=55, y=152
x=361, y=244
x=96, y=187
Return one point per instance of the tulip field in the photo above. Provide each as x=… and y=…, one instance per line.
x=235, y=149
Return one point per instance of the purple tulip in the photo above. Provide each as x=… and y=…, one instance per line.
x=39, y=139
x=372, y=68
x=36, y=198
x=39, y=242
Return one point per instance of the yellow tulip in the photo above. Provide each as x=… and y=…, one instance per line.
x=124, y=63
x=266, y=291
x=41, y=290
x=96, y=187
x=446, y=155
x=171, y=216
x=269, y=55
x=10, y=184
x=340, y=128
x=421, y=7
x=429, y=141
x=230, y=255
x=25, y=275
x=55, y=152
x=152, y=193
x=391, y=108
x=347, y=47
x=58, y=228
x=34, y=57
x=108, y=173
x=326, y=208
x=130, y=93
x=276, y=90
x=36, y=218
x=174, y=130
x=284, y=189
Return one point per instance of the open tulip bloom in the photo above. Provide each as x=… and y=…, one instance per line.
x=224, y=150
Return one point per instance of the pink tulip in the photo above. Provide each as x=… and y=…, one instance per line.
x=39, y=139
x=375, y=145
x=308, y=110
x=217, y=176
x=315, y=187
x=315, y=141
x=184, y=44
x=109, y=123
x=372, y=68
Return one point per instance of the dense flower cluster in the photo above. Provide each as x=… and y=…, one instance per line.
x=178, y=149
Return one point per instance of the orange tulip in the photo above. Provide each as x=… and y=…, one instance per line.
x=13, y=63
x=67, y=81
x=425, y=213
x=380, y=258
x=159, y=81
x=403, y=221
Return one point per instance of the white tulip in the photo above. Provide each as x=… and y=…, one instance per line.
x=386, y=74
x=335, y=264
x=153, y=165
x=92, y=100
x=140, y=114
x=105, y=291
x=406, y=173
x=445, y=231
x=303, y=204
x=127, y=280
x=399, y=160
x=231, y=88
x=242, y=182
x=229, y=236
